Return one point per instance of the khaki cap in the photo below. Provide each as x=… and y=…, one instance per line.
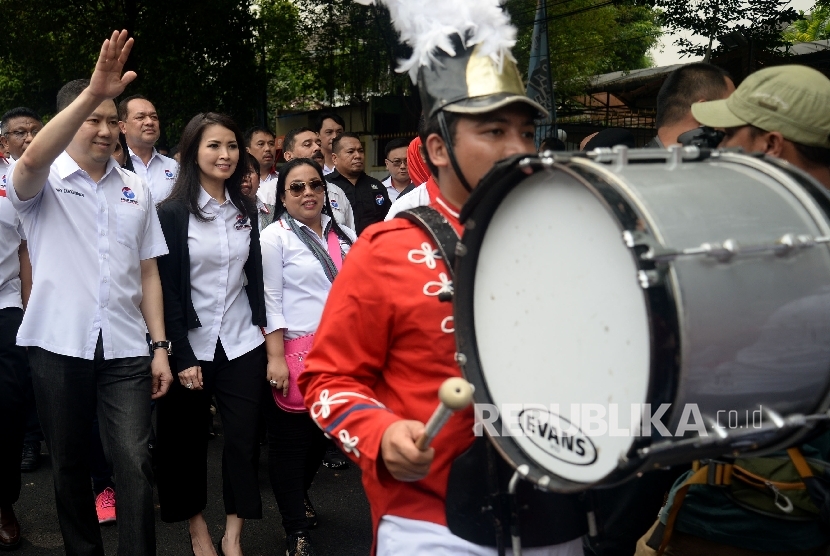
x=793, y=100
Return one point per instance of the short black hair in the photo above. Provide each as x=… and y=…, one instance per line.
x=335, y=145
x=329, y=116
x=254, y=163
x=397, y=143
x=123, y=105
x=291, y=136
x=819, y=156
x=687, y=85
x=70, y=92
x=249, y=133
x=19, y=112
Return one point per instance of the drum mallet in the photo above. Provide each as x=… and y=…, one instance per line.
x=455, y=394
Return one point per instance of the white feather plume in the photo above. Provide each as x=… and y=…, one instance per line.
x=428, y=25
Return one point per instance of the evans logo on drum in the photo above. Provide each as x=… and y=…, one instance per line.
x=557, y=436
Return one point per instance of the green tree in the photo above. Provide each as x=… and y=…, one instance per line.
x=587, y=37
x=812, y=26
x=190, y=56
x=758, y=21
x=328, y=52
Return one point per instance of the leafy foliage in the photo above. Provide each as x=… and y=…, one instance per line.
x=190, y=56
x=812, y=26
x=587, y=37
x=759, y=21
x=328, y=52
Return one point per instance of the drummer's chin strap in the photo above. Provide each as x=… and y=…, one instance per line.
x=447, y=137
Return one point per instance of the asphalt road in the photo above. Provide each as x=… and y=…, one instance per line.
x=345, y=523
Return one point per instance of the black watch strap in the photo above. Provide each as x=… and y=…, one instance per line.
x=163, y=344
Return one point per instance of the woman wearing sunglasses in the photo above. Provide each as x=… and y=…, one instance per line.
x=301, y=254
x=213, y=310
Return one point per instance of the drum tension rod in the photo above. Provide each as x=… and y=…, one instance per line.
x=724, y=252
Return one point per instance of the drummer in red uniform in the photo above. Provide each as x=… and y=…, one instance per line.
x=373, y=388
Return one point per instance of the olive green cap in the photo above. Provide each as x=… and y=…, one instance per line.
x=793, y=100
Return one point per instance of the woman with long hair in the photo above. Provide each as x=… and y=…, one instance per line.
x=302, y=251
x=213, y=310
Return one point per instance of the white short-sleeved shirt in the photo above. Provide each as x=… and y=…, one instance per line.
x=11, y=234
x=296, y=287
x=267, y=191
x=340, y=206
x=160, y=174
x=86, y=242
x=327, y=170
x=218, y=251
x=417, y=198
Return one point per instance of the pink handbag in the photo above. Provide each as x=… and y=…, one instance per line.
x=297, y=349
x=295, y=353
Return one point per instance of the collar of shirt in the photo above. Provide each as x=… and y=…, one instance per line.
x=67, y=166
x=137, y=158
x=442, y=205
x=324, y=220
x=205, y=198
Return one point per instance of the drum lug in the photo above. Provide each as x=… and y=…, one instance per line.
x=460, y=249
x=649, y=278
x=460, y=358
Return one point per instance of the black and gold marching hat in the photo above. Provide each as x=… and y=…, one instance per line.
x=469, y=83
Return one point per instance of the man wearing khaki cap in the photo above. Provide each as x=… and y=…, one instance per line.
x=781, y=111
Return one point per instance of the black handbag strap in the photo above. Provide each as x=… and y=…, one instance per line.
x=439, y=230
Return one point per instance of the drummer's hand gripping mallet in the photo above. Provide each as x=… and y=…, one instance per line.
x=455, y=394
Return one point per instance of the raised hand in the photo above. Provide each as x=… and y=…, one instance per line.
x=106, y=81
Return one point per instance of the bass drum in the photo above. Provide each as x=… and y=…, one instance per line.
x=643, y=309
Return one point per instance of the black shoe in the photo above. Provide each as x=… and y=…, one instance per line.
x=334, y=459
x=31, y=457
x=299, y=545
x=310, y=513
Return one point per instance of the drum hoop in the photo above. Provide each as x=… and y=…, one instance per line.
x=665, y=340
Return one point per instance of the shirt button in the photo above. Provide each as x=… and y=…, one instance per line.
x=103, y=208
x=103, y=304
x=103, y=233
x=105, y=279
x=104, y=256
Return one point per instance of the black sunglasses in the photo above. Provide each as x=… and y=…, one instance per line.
x=298, y=187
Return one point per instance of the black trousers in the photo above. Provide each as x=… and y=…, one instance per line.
x=295, y=450
x=182, y=441
x=68, y=390
x=14, y=374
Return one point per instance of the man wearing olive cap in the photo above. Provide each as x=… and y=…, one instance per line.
x=781, y=111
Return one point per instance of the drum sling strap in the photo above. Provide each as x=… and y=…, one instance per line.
x=478, y=507
x=722, y=474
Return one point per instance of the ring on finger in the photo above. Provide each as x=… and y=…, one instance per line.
x=189, y=385
x=272, y=382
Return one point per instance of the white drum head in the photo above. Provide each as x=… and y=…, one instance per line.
x=554, y=277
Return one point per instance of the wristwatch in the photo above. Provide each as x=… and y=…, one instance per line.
x=163, y=344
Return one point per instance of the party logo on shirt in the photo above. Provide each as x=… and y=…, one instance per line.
x=242, y=223
x=128, y=196
x=334, y=204
x=379, y=200
x=169, y=174
x=3, y=187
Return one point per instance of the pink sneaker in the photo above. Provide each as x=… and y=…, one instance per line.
x=105, y=506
